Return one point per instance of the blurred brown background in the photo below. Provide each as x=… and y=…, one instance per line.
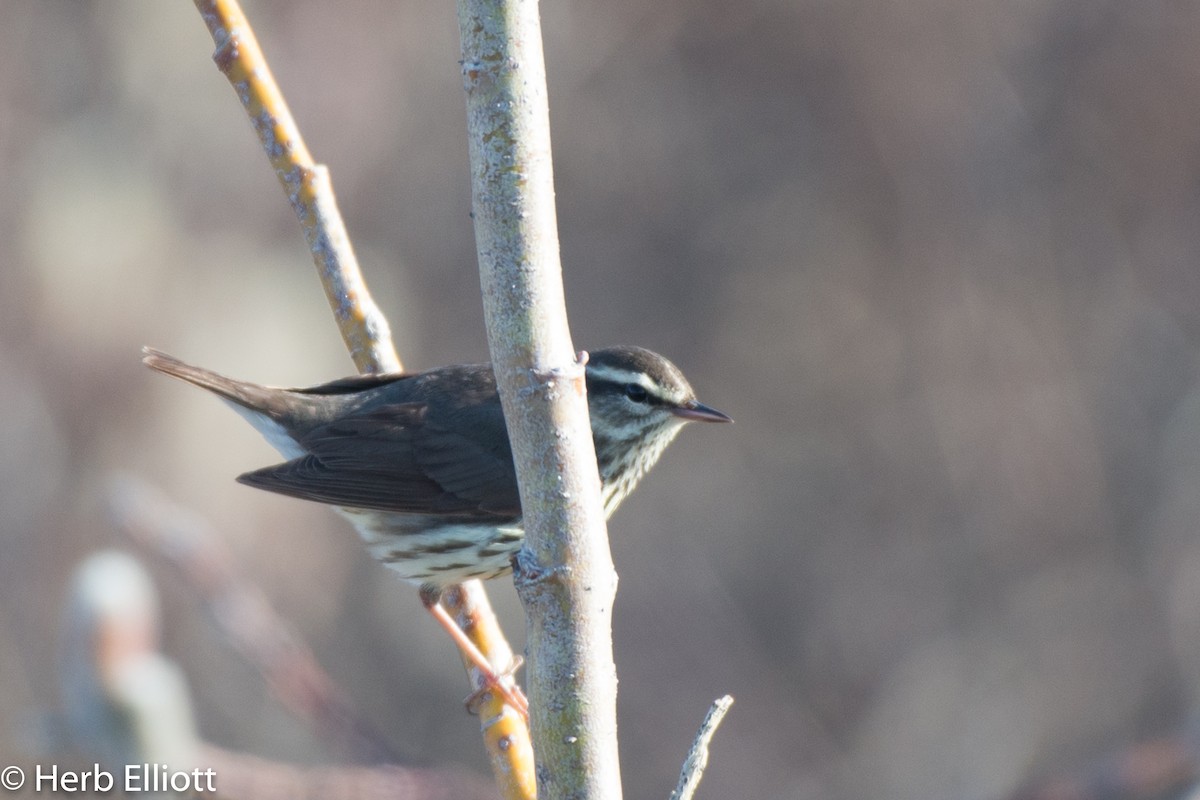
x=937, y=258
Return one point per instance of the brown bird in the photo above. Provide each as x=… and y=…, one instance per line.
x=421, y=463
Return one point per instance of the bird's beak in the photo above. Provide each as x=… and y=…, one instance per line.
x=698, y=412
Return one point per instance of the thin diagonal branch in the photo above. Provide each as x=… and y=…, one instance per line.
x=365, y=331
x=307, y=184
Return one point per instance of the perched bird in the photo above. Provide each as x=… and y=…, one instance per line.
x=421, y=463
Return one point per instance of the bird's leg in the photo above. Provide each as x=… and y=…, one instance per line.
x=502, y=682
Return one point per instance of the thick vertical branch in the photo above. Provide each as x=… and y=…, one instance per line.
x=565, y=575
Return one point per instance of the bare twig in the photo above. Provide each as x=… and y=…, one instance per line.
x=363, y=328
x=697, y=757
x=565, y=574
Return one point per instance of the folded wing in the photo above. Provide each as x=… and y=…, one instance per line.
x=396, y=458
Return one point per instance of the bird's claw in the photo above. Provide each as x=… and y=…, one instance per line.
x=504, y=683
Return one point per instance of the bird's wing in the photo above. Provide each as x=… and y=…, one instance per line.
x=394, y=458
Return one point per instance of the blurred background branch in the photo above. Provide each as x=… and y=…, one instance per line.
x=126, y=703
x=1158, y=769
x=244, y=616
x=244, y=776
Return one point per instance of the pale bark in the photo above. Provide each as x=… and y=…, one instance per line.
x=564, y=574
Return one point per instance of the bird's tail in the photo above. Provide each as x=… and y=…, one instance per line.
x=248, y=395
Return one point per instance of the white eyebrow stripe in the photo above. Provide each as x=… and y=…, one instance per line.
x=615, y=375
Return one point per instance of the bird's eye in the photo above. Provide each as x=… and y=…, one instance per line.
x=636, y=392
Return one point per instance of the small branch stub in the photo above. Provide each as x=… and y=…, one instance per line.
x=697, y=757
